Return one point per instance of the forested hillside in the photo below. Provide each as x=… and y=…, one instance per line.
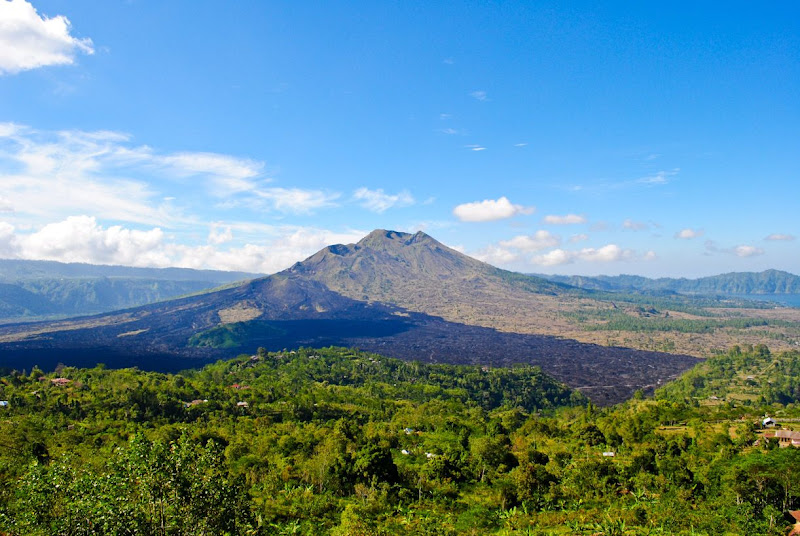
x=40, y=289
x=337, y=441
x=766, y=282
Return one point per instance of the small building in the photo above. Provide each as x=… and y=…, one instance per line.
x=194, y=403
x=785, y=438
x=404, y=451
x=242, y=405
x=3, y=403
x=408, y=431
x=768, y=422
x=60, y=382
x=609, y=454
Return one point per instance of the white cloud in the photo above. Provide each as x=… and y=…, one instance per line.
x=48, y=174
x=688, y=233
x=496, y=256
x=607, y=253
x=520, y=145
x=578, y=238
x=490, y=210
x=219, y=234
x=379, y=201
x=554, y=258
x=662, y=177
x=297, y=200
x=635, y=225
x=569, y=219
x=747, y=251
x=8, y=241
x=536, y=242
x=83, y=239
x=779, y=237
x=29, y=41
x=650, y=256
x=479, y=95
x=231, y=174
x=5, y=205
x=474, y=147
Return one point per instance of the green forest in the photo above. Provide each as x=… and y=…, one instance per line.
x=343, y=442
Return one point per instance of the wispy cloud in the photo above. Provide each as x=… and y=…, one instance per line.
x=662, y=177
x=479, y=95
x=632, y=225
x=568, y=219
x=29, y=40
x=582, y=237
x=378, y=201
x=297, y=200
x=475, y=147
x=55, y=174
x=490, y=210
x=780, y=237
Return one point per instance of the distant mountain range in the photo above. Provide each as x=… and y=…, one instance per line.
x=36, y=289
x=767, y=282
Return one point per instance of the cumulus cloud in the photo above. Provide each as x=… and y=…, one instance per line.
x=607, y=253
x=779, y=237
x=83, y=239
x=536, y=242
x=688, y=233
x=490, y=210
x=569, y=219
x=29, y=40
x=496, y=255
x=379, y=201
x=747, y=251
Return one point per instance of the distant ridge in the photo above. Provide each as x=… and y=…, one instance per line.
x=32, y=289
x=766, y=282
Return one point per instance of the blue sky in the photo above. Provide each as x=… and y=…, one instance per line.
x=541, y=137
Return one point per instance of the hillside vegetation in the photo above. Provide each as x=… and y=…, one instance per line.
x=766, y=282
x=337, y=441
x=32, y=290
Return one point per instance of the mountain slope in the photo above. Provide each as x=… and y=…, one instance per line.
x=421, y=274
